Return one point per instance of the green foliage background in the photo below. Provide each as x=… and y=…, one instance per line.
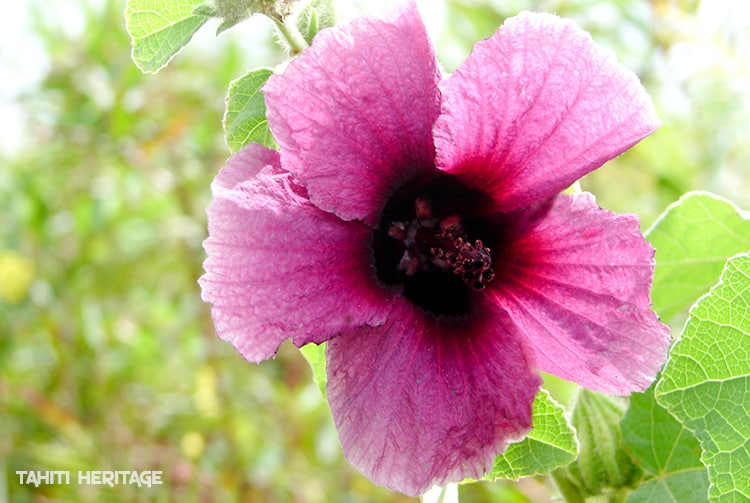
x=108, y=358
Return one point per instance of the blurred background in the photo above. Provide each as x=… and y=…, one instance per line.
x=108, y=357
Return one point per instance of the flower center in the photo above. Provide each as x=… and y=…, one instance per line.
x=434, y=243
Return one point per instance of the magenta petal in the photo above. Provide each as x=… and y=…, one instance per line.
x=277, y=266
x=578, y=286
x=419, y=401
x=354, y=113
x=534, y=108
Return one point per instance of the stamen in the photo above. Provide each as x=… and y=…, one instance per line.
x=442, y=244
x=472, y=262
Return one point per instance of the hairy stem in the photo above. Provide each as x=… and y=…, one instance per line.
x=290, y=35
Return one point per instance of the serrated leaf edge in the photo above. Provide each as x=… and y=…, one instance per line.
x=232, y=85
x=657, y=393
x=133, y=39
x=744, y=214
x=530, y=436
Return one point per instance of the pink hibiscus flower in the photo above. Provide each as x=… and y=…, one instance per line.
x=416, y=223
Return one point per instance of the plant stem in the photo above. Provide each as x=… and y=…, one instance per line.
x=290, y=35
x=569, y=492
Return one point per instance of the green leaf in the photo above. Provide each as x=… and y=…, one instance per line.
x=693, y=238
x=233, y=12
x=206, y=10
x=706, y=382
x=678, y=487
x=159, y=29
x=227, y=24
x=315, y=354
x=668, y=453
x=245, y=118
x=550, y=444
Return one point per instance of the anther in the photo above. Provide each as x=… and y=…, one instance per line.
x=430, y=243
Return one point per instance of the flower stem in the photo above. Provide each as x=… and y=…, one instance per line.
x=569, y=493
x=290, y=36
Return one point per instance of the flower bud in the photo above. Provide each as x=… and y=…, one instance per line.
x=313, y=16
x=603, y=470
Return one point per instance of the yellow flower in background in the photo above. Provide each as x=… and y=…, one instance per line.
x=16, y=273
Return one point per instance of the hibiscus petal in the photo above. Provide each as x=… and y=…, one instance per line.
x=534, y=108
x=421, y=401
x=279, y=267
x=578, y=285
x=354, y=113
